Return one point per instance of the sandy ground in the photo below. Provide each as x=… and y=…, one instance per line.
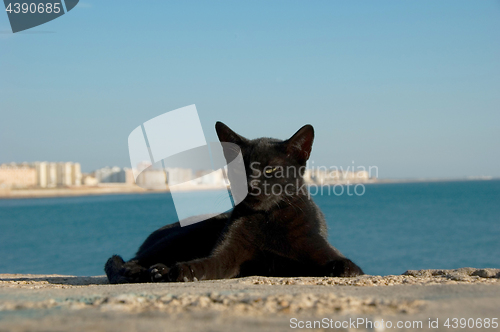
x=63, y=303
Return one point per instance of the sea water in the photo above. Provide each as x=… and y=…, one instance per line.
x=389, y=229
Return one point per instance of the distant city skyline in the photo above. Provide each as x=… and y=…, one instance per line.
x=42, y=174
x=408, y=87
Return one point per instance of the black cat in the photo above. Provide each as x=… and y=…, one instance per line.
x=277, y=230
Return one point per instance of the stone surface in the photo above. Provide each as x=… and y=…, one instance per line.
x=463, y=273
x=61, y=303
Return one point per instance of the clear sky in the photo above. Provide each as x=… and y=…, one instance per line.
x=412, y=87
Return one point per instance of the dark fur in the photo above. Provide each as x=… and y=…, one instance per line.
x=271, y=235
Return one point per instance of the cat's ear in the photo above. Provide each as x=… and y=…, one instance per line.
x=300, y=144
x=227, y=135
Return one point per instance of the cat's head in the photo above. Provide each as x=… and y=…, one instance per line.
x=274, y=168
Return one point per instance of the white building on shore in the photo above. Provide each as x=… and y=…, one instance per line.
x=114, y=175
x=323, y=176
x=152, y=179
x=41, y=174
x=17, y=176
x=178, y=175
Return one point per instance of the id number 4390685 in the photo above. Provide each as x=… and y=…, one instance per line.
x=33, y=8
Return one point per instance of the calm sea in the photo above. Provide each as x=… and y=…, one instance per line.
x=388, y=230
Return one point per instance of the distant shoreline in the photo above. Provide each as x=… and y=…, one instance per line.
x=118, y=189
x=89, y=191
x=426, y=180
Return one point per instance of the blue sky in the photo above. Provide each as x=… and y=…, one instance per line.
x=409, y=87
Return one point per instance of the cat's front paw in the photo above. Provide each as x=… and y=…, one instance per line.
x=159, y=272
x=182, y=272
x=134, y=272
x=343, y=268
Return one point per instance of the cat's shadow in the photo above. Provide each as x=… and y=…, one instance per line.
x=27, y=280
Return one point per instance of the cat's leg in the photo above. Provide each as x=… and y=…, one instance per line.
x=167, y=245
x=333, y=264
x=121, y=272
x=173, y=243
x=159, y=272
x=342, y=267
x=224, y=262
x=321, y=259
x=210, y=268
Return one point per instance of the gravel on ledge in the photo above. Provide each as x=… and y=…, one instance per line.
x=411, y=277
x=60, y=303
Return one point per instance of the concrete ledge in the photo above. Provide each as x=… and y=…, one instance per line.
x=61, y=303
